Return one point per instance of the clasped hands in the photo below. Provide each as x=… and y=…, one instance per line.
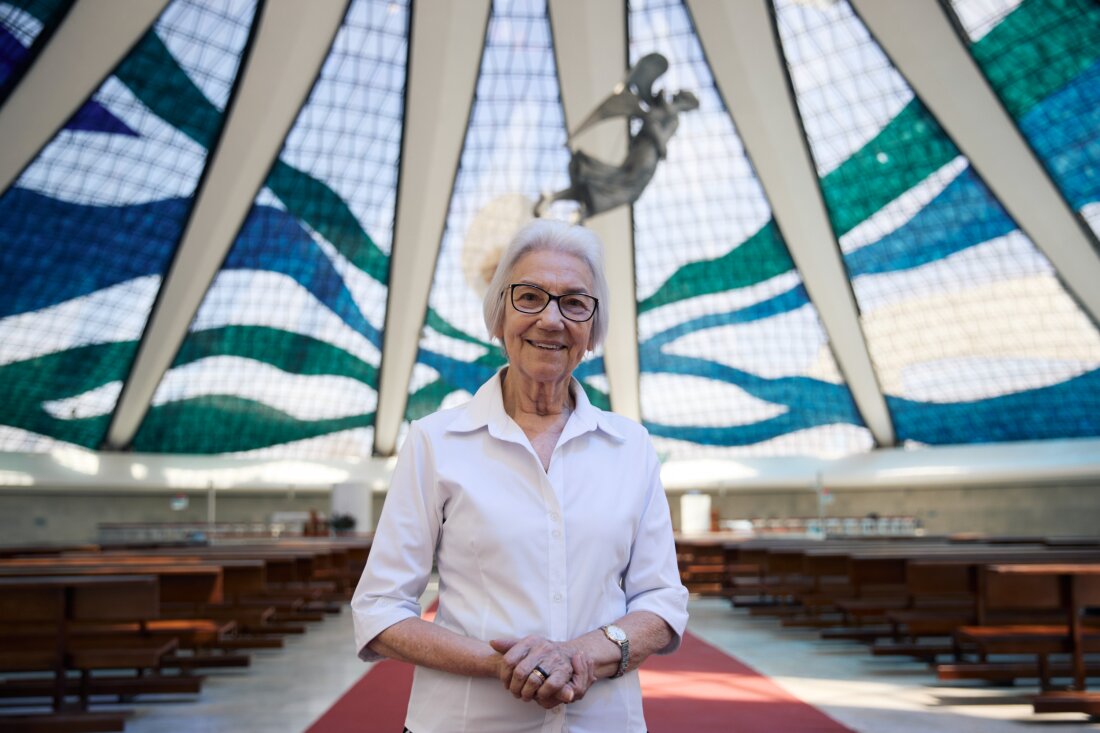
x=569, y=672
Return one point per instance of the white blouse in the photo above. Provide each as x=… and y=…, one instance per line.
x=519, y=551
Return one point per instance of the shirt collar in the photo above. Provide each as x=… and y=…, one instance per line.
x=486, y=409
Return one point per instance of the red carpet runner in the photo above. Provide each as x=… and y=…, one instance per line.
x=699, y=689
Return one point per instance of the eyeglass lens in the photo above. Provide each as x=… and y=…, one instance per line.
x=532, y=299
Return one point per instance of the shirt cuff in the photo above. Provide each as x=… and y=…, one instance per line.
x=669, y=604
x=371, y=619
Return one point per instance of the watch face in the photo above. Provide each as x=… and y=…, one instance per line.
x=616, y=634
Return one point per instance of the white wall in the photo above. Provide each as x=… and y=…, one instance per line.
x=1040, y=487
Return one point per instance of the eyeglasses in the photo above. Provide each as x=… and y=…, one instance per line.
x=531, y=299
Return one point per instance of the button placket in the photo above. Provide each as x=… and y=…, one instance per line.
x=559, y=623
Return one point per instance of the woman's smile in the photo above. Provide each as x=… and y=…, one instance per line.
x=546, y=347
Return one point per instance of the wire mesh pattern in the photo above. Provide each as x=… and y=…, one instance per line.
x=90, y=226
x=514, y=149
x=972, y=336
x=285, y=348
x=978, y=17
x=1051, y=88
x=22, y=24
x=734, y=360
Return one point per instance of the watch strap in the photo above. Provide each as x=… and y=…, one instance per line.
x=624, y=649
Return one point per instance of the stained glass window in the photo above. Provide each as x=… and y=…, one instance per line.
x=90, y=227
x=734, y=360
x=22, y=25
x=1043, y=60
x=282, y=358
x=514, y=150
x=972, y=337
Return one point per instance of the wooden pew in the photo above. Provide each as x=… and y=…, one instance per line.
x=885, y=606
x=830, y=582
x=54, y=604
x=43, y=549
x=813, y=575
x=873, y=583
x=852, y=589
x=222, y=583
x=942, y=597
x=779, y=575
x=814, y=583
x=703, y=565
x=179, y=582
x=337, y=563
x=304, y=578
x=291, y=573
x=921, y=590
x=1029, y=609
x=280, y=566
x=1078, y=586
x=240, y=577
x=943, y=594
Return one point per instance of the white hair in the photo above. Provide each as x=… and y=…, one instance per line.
x=557, y=236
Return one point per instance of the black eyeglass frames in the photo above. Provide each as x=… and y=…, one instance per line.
x=531, y=299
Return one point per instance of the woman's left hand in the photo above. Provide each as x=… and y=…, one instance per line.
x=517, y=670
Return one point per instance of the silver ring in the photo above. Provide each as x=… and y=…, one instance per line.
x=538, y=670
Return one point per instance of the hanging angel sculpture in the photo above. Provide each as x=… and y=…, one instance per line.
x=598, y=186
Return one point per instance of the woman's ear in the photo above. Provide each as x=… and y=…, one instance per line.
x=498, y=339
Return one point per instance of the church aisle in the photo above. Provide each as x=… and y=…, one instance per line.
x=282, y=692
x=286, y=690
x=865, y=693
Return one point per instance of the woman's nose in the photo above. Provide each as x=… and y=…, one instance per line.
x=551, y=314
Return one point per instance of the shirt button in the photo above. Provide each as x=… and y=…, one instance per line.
x=556, y=533
x=557, y=596
x=554, y=516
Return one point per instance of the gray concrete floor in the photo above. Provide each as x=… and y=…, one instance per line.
x=870, y=694
x=287, y=689
x=284, y=689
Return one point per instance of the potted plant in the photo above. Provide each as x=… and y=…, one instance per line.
x=342, y=523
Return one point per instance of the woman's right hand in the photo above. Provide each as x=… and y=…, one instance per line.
x=569, y=673
x=584, y=674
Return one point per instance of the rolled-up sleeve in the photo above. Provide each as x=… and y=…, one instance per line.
x=652, y=579
x=400, y=560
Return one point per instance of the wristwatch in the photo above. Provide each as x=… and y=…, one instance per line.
x=617, y=636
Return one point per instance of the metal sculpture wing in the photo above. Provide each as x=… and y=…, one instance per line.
x=599, y=186
x=632, y=96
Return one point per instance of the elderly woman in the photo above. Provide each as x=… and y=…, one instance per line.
x=545, y=518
